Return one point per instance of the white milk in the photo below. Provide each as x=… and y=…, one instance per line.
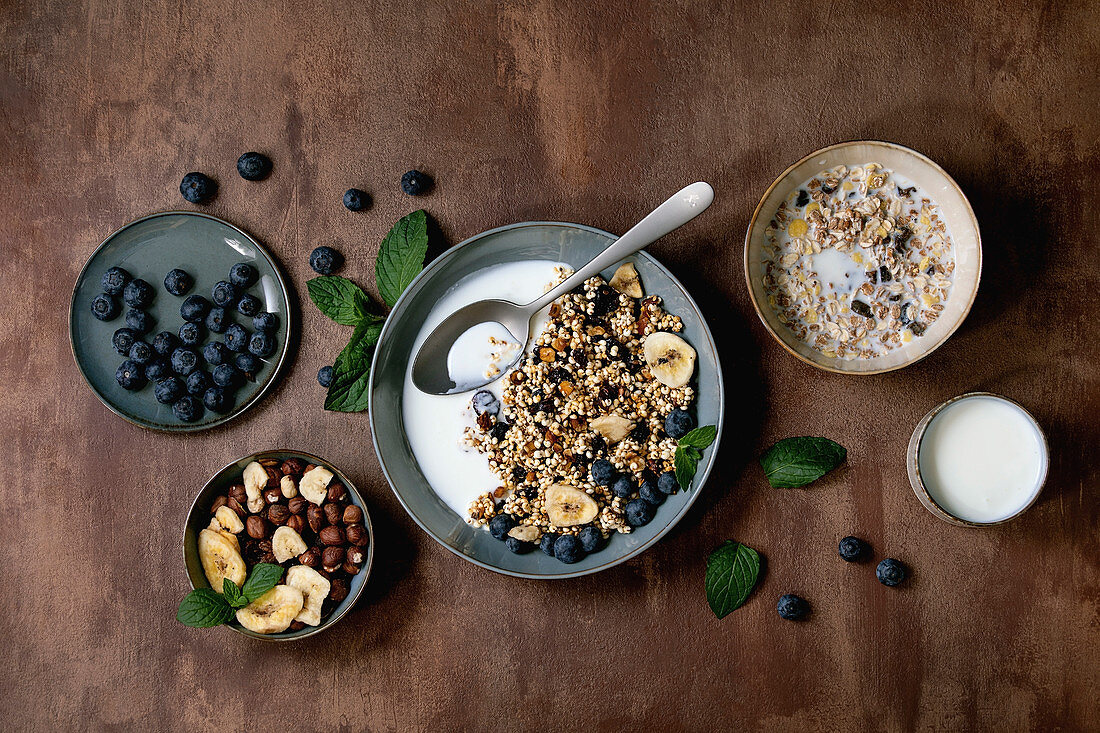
x=481, y=353
x=982, y=459
x=434, y=424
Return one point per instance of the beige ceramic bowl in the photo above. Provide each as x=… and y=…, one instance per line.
x=955, y=209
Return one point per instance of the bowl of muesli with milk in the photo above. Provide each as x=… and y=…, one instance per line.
x=863, y=257
x=576, y=458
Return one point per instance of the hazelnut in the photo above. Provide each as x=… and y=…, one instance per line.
x=236, y=491
x=268, y=462
x=338, y=590
x=332, y=556
x=293, y=467
x=326, y=573
x=332, y=513
x=297, y=505
x=328, y=570
x=273, y=476
x=297, y=523
x=269, y=559
x=256, y=526
x=349, y=568
x=336, y=491
x=352, y=514
x=356, y=555
x=357, y=535
x=311, y=557
x=264, y=545
x=218, y=503
x=278, y=514
x=316, y=517
x=272, y=496
x=331, y=535
x=236, y=506
x=308, y=467
x=297, y=625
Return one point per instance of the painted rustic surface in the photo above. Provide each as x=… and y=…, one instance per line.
x=587, y=112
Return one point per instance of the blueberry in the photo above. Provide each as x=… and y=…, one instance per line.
x=187, y=409
x=141, y=352
x=249, y=305
x=184, y=361
x=792, y=607
x=623, y=487
x=485, y=402
x=197, y=188
x=236, y=338
x=666, y=483
x=104, y=307
x=325, y=260
x=168, y=390
x=139, y=320
x=114, y=280
x=197, y=382
x=679, y=423
x=546, y=543
x=651, y=493
x=190, y=334
x=639, y=512
x=226, y=375
x=853, y=549
x=243, y=275
x=266, y=322
x=590, y=538
x=324, y=376
x=603, y=472
x=891, y=572
x=518, y=546
x=217, y=399
x=248, y=365
x=224, y=293
x=158, y=368
x=415, y=183
x=254, y=166
x=178, y=282
x=138, y=293
x=123, y=339
x=500, y=524
x=261, y=344
x=356, y=200
x=216, y=320
x=165, y=342
x=194, y=308
x=215, y=353
x=568, y=549
x=130, y=375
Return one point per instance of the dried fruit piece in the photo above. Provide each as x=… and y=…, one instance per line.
x=567, y=506
x=670, y=358
x=626, y=280
x=613, y=427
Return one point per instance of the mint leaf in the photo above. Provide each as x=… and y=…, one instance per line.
x=232, y=594
x=700, y=437
x=732, y=572
x=689, y=451
x=341, y=300
x=203, y=608
x=401, y=257
x=263, y=578
x=351, y=372
x=795, y=462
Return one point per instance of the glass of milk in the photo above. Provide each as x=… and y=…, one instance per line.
x=977, y=460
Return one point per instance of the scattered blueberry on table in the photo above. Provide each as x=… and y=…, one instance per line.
x=415, y=183
x=792, y=607
x=891, y=572
x=325, y=260
x=198, y=188
x=853, y=549
x=254, y=166
x=324, y=376
x=356, y=200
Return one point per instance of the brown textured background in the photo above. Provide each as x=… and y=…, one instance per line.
x=590, y=112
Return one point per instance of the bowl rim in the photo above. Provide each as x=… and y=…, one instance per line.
x=701, y=478
x=364, y=572
x=782, y=176
x=279, y=365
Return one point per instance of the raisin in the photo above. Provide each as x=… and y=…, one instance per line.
x=615, y=350
x=607, y=393
x=803, y=198
x=606, y=301
x=546, y=405
x=906, y=191
x=861, y=308
x=640, y=432
x=872, y=275
x=904, y=317
x=917, y=328
x=579, y=356
x=518, y=474
x=901, y=236
x=931, y=270
x=485, y=421
x=499, y=430
x=558, y=375
x=527, y=492
x=598, y=444
x=884, y=274
x=827, y=189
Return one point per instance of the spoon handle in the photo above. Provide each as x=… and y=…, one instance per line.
x=679, y=209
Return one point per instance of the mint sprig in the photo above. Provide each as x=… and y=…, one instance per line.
x=794, y=462
x=340, y=299
x=203, y=607
x=689, y=451
x=732, y=572
x=401, y=257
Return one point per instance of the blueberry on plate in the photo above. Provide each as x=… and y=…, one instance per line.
x=546, y=543
x=679, y=423
x=792, y=607
x=248, y=365
x=215, y=353
x=590, y=538
x=356, y=200
x=217, y=399
x=603, y=472
x=216, y=320
x=165, y=342
x=518, y=546
x=666, y=483
x=104, y=307
x=130, y=375
x=415, y=183
x=190, y=334
x=197, y=382
x=226, y=375
x=194, y=308
x=325, y=375
x=568, y=549
x=138, y=293
x=141, y=353
x=187, y=408
x=123, y=339
x=261, y=344
x=198, y=188
x=485, y=401
x=651, y=493
x=266, y=322
x=224, y=293
x=168, y=390
x=249, y=305
x=500, y=524
x=853, y=549
x=236, y=338
x=178, y=282
x=639, y=512
x=254, y=166
x=891, y=572
x=325, y=260
x=623, y=486
x=158, y=368
x=139, y=320
x=114, y=280
x=184, y=361
x=243, y=275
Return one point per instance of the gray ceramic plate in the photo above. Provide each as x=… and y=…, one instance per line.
x=198, y=518
x=574, y=244
x=203, y=246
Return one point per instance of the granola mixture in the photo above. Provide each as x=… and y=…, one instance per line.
x=858, y=262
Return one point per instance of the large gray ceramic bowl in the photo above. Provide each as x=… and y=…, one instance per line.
x=561, y=242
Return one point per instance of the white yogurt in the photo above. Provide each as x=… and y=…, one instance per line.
x=982, y=459
x=435, y=424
